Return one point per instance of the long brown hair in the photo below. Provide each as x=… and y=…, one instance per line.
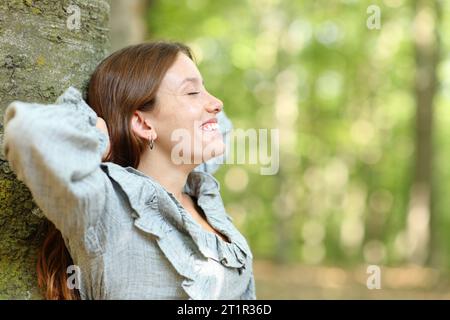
x=122, y=83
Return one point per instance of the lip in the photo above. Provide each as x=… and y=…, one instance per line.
x=212, y=120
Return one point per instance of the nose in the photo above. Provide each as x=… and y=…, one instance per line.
x=214, y=104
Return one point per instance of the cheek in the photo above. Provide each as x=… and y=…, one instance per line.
x=187, y=122
x=181, y=131
x=180, y=123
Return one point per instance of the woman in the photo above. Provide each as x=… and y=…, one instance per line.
x=132, y=221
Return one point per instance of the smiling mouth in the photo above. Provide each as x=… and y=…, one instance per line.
x=212, y=126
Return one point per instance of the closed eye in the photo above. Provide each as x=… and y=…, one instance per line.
x=192, y=93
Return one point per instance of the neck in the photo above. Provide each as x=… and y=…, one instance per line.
x=171, y=176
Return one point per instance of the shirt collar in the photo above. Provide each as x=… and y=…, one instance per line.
x=157, y=211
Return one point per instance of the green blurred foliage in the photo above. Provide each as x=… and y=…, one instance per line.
x=343, y=98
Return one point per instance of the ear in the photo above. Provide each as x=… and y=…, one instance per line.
x=141, y=125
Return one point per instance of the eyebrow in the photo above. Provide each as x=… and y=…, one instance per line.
x=191, y=79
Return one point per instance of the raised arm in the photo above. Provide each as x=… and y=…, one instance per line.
x=56, y=151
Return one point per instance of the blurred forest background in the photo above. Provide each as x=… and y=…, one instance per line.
x=363, y=113
x=364, y=124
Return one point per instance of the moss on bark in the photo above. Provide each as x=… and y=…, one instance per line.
x=40, y=56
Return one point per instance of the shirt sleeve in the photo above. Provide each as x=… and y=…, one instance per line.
x=56, y=151
x=226, y=126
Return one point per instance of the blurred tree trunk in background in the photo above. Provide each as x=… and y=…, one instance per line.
x=426, y=46
x=127, y=22
x=45, y=46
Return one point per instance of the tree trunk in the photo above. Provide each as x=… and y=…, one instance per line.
x=426, y=45
x=127, y=24
x=45, y=47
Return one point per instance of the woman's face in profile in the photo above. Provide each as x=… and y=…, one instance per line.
x=183, y=105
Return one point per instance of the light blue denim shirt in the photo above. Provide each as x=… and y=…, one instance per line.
x=128, y=236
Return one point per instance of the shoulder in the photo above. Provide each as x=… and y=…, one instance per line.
x=133, y=183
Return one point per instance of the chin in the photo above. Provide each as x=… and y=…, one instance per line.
x=213, y=150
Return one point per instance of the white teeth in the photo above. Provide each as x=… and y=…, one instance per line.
x=210, y=126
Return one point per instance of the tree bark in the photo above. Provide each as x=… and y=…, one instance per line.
x=44, y=48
